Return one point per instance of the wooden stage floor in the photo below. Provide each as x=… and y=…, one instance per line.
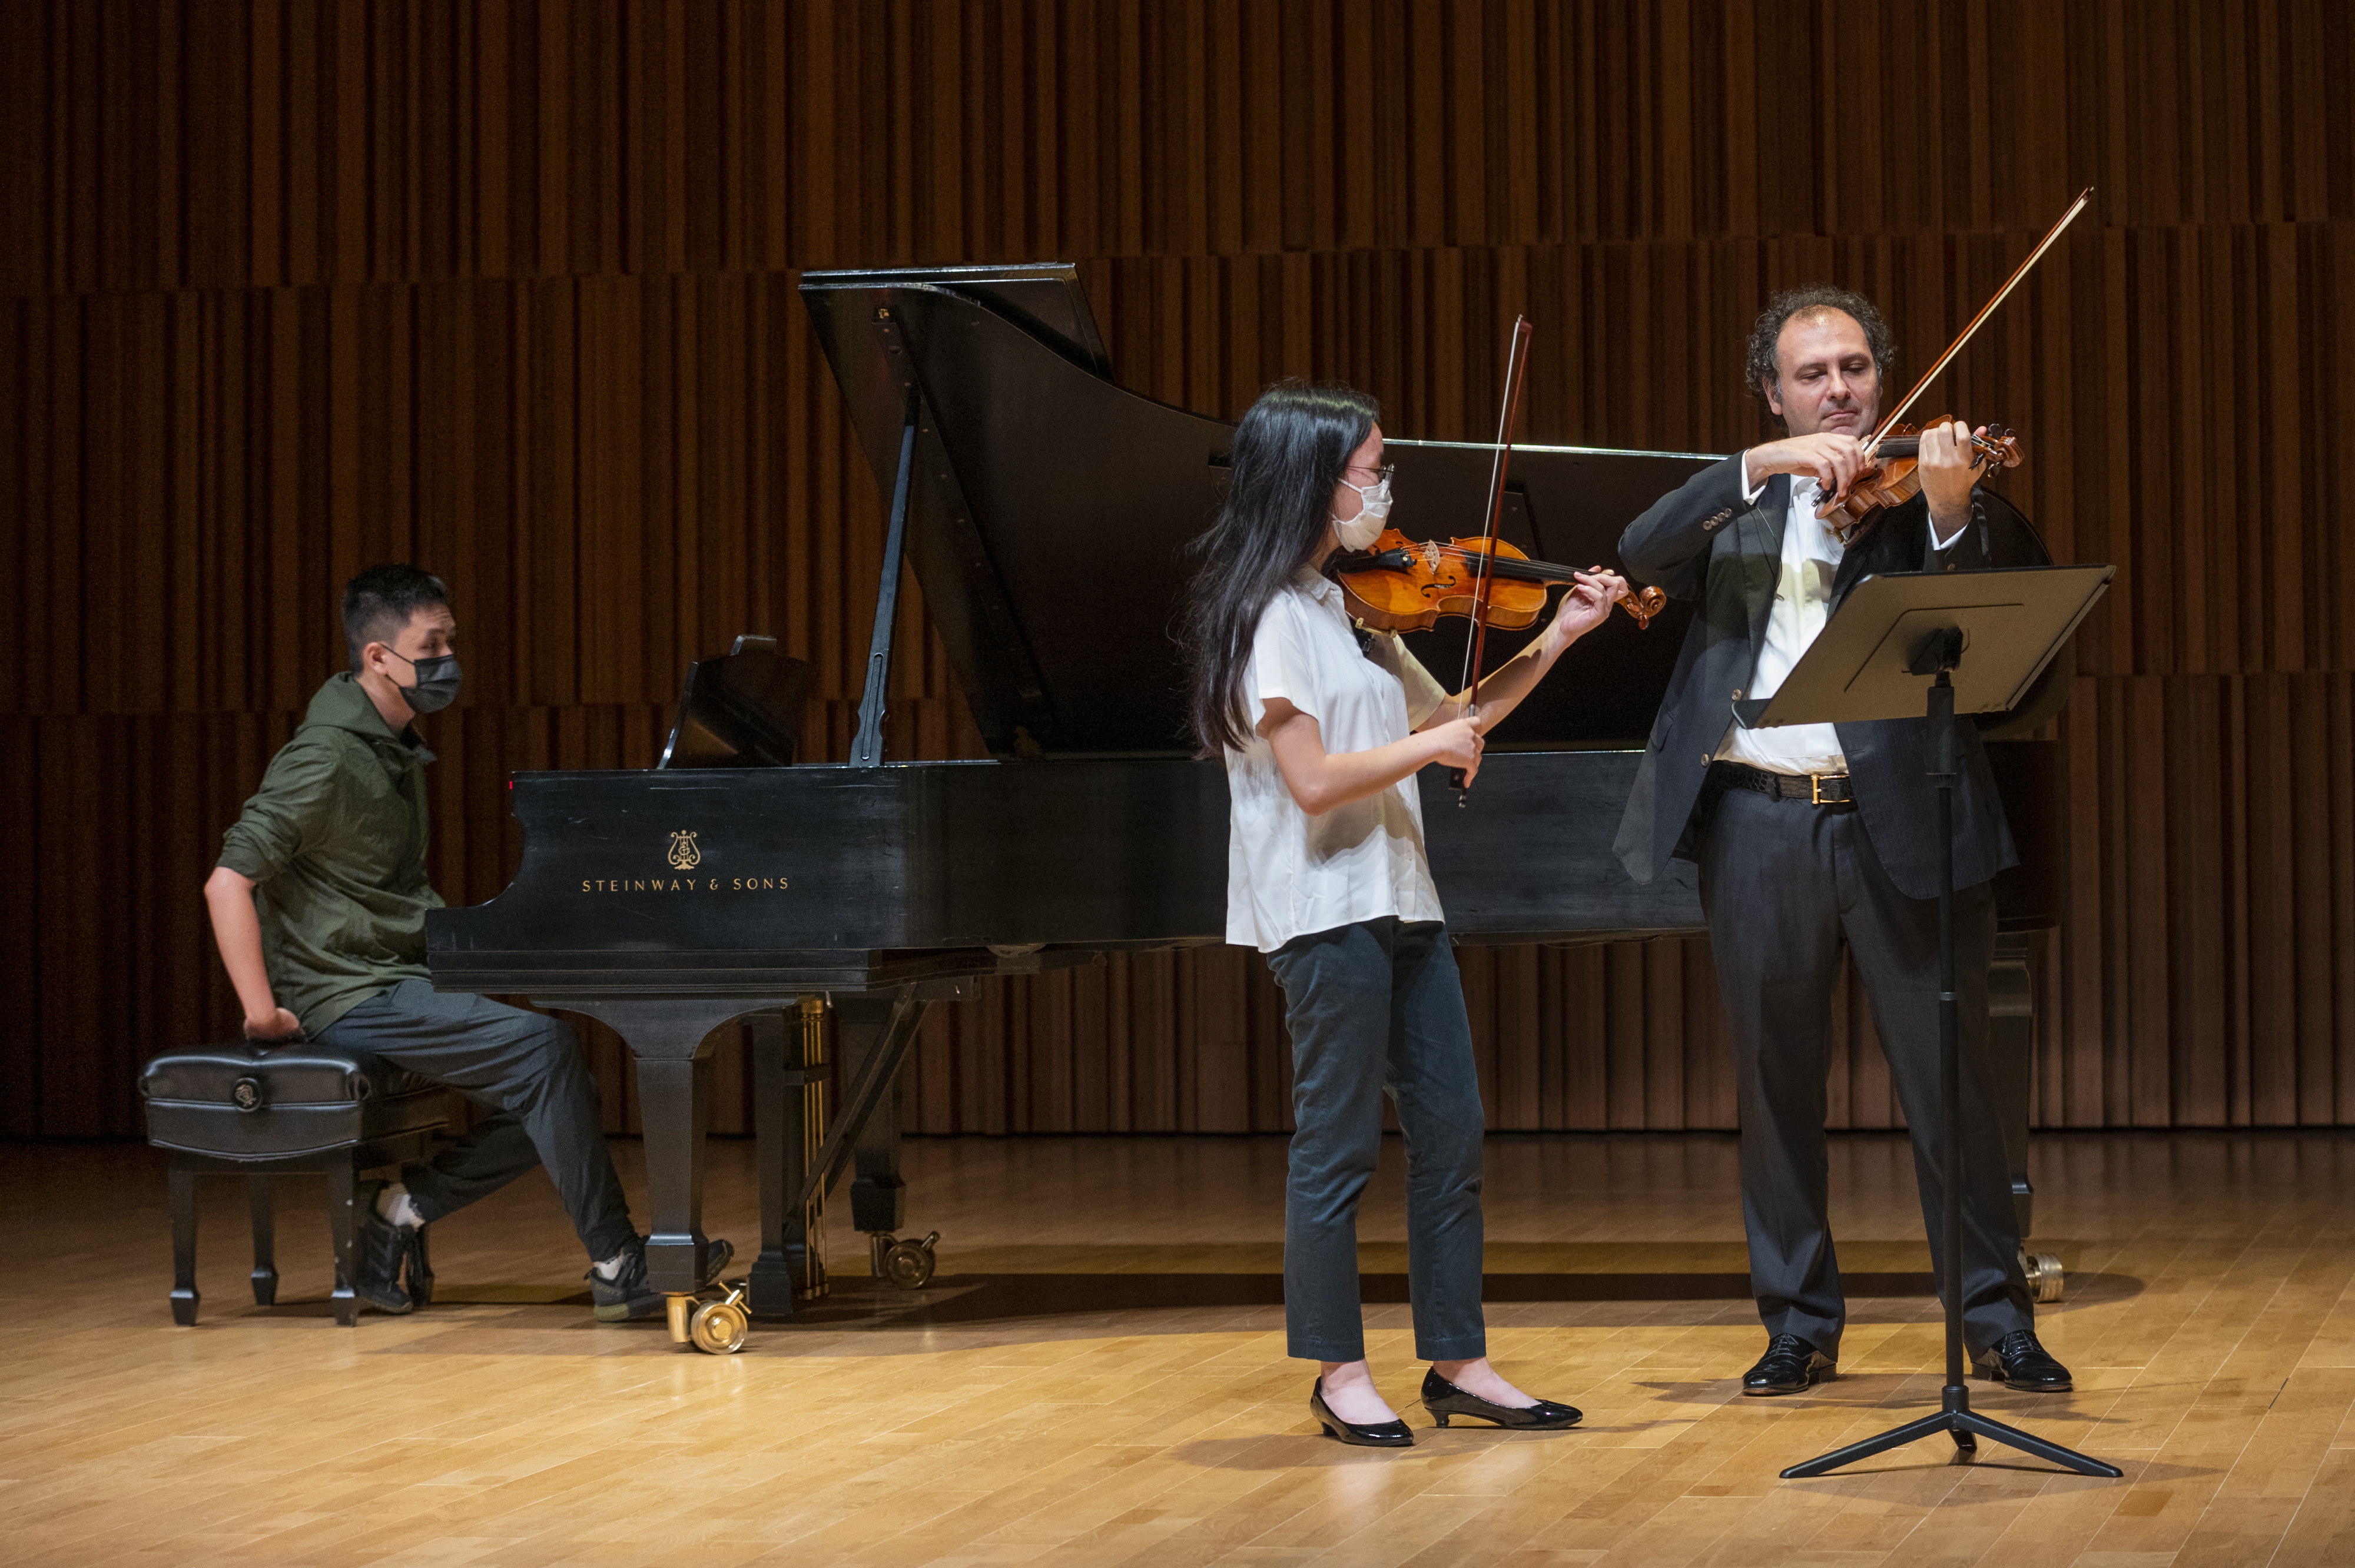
x=1097, y=1376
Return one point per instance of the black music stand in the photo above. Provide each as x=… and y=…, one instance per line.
x=1892, y=634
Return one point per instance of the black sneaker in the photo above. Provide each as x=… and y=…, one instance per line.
x=380, y=1256
x=420, y=1266
x=627, y=1296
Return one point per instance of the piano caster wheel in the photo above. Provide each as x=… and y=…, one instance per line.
x=908, y=1265
x=2045, y=1276
x=718, y=1328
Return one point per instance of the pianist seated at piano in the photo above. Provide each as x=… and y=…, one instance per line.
x=318, y=906
x=1323, y=727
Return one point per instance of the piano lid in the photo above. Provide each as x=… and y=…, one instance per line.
x=1049, y=508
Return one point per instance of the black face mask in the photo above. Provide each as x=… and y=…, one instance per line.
x=437, y=681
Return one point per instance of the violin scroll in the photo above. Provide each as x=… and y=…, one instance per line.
x=1644, y=604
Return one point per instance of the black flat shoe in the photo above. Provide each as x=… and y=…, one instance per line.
x=1443, y=1399
x=1379, y=1434
x=2019, y=1362
x=1789, y=1366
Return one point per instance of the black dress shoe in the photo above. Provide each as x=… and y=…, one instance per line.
x=383, y=1248
x=2019, y=1362
x=1443, y=1399
x=1376, y=1434
x=1789, y=1366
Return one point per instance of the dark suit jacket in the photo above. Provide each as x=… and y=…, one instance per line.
x=1702, y=542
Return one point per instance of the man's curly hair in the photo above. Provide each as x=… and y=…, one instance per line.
x=1759, y=367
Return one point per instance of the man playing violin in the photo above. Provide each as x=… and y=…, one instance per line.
x=1815, y=839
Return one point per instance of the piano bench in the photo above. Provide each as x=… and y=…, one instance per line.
x=261, y=1111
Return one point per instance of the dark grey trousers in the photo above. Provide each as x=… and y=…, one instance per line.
x=1376, y=1007
x=526, y=1069
x=1784, y=886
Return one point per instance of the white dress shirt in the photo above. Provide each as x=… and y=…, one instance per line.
x=1289, y=873
x=1803, y=593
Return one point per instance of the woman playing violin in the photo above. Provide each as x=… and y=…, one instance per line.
x=1322, y=728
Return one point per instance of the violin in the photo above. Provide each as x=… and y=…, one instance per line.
x=1893, y=477
x=1403, y=585
x=1893, y=451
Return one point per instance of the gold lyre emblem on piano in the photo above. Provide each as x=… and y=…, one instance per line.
x=683, y=852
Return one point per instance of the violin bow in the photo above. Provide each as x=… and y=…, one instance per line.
x=1517, y=362
x=1889, y=422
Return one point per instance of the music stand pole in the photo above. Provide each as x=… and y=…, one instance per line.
x=1955, y=1414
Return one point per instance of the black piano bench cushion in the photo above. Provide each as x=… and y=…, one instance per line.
x=252, y=1100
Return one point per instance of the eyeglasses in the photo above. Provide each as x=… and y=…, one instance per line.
x=1381, y=474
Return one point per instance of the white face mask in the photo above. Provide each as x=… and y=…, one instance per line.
x=1374, y=505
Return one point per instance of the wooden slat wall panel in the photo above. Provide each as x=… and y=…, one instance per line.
x=178, y=453
x=202, y=470
x=508, y=288
x=170, y=144
x=2205, y=978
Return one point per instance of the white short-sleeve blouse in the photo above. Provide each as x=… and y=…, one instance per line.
x=1289, y=873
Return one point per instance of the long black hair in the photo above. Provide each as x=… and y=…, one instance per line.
x=1290, y=451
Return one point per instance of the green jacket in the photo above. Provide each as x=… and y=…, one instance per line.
x=335, y=844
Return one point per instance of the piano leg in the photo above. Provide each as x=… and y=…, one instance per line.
x=789, y=1077
x=2011, y=1041
x=772, y=1277
x=675, y=1107
x=872, y=1033
x=879, y=1198
x=671, y=1040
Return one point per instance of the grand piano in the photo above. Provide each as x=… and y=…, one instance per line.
x=676, y=901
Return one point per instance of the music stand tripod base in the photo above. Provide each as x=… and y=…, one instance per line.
x=1966, y=1425
x=1890, y=634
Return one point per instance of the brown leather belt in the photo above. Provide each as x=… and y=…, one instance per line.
x=1815, y=788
